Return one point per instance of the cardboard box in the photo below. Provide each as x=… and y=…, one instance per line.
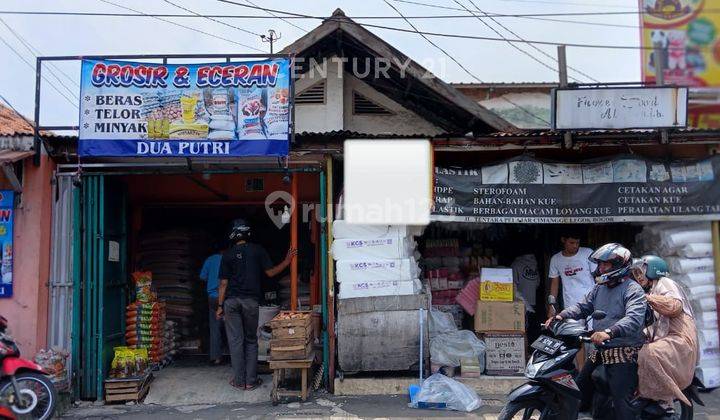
x=499, y=316
x=496, y=284
x=504, y=353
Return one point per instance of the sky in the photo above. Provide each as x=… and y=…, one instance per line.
x=489, y=61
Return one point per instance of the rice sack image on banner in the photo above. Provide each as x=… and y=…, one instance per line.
x=219, y=109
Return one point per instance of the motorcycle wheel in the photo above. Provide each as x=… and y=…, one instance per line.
x=38, y=394
x=686, y=412
x=524, y=410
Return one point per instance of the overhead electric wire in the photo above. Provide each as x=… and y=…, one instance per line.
x=183, y=26
x=36, y=53
x=212, y=19
x=526, y=53
x=550, y=56
x=571, y=3
x=460, y=64
x=279, y=17
x=175, y=15
x=461, y=36
x=24, y=60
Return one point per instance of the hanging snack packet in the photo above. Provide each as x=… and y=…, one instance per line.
x=143, y=280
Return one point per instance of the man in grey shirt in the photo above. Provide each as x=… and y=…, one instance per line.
x=618, y=336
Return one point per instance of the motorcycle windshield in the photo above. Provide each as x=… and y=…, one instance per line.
x=569, y=328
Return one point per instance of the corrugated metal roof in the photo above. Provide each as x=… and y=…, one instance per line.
x=357, y=135
x=550, y=133
x=13, y=155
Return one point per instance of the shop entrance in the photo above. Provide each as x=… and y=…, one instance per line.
x=167, y=226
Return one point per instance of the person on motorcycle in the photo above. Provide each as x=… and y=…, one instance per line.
x=619, y=336
x=666, y=364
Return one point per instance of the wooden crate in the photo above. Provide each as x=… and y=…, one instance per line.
x=294, y=352
x=302, y=319
x=127, y=389
x=295, y=332
x=288, y=342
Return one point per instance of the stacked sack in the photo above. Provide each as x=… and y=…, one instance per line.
x=375, y=260
x=145, y=319
x=175, y=258
x=170, y=340
x=688, y=250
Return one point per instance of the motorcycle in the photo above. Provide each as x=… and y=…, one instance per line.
x=24, y=385
x=552, y=393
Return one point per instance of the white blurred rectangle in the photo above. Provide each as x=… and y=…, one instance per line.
x=388, y=182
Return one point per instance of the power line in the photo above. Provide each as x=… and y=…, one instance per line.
x=73, y=103
x=461, y=36
x=279, y=17
x=183, y=26
x=551, y=57
x=532, y=57
x=532, y=16
x=460, y=64
x=570, y=3
x=212, y=19
x=36, y=53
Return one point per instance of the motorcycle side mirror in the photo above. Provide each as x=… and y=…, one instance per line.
x=598, y=314
x=551, y=300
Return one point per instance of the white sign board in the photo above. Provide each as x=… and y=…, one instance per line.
x=388, y=182
x=619, y=108
x=113, y=251
x=496, y=275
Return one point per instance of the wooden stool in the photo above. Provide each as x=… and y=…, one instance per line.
x=279, y=366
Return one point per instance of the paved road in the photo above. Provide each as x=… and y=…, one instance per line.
x=321, y=406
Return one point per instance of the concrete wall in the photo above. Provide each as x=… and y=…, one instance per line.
x=403, y=121
x=26, y=310
x=321, y=117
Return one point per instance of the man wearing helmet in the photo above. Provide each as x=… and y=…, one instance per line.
x=666, y=364
x=619, y=336
x=241, y=269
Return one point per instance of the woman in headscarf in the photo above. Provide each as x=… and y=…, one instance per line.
x=666, y=364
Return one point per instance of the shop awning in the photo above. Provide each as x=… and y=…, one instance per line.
x=7, y=158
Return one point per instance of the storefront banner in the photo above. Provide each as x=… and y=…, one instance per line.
x=7, y=216
x=619, y=108
x=187, y=110
x=624, y=189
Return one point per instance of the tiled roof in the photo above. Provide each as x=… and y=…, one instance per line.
x=11, y=124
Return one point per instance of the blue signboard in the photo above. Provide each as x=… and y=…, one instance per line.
x=7, y=216
x=186, y=110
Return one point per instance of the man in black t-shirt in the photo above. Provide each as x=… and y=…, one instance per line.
x=241, y=269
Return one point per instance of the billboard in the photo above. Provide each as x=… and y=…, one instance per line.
x=624, y=189
x=688, y=32
x=187, y=110
x=7, y=217
x=619, y=108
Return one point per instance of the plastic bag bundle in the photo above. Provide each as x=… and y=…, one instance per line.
x=696, y=250
x=449, y=348
x=690, y=265
x=440, y=392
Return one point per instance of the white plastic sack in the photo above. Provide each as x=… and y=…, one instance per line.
x=676, y=239
x=439, y=391
x=354, y=271
x=441, y=323
x=690, y=265
x=345, y=230
x=708, y=304
x=710, y=376
x=696, y=250
x=706, y=319
x=357, y=249
x=700, y=292
x=447, y=349
x=704, y=278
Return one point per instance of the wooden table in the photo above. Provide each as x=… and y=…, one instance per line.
x=280, y=366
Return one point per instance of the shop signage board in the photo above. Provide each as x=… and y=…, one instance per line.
x=619, y=108
x=624, y=189
x=504, y=353
x=7, y=217
x=185, y=110
x=496, y=284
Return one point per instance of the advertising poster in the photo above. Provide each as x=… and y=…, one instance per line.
x=624, y=189
x=688, y=32
x=7, y=213
x=185, y=110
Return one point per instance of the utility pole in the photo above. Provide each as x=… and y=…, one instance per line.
x=271, y=38
x=659, y=56
x=562, y=72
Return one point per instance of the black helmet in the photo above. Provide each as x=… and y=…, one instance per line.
x=615, y=254
x=240, y=231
